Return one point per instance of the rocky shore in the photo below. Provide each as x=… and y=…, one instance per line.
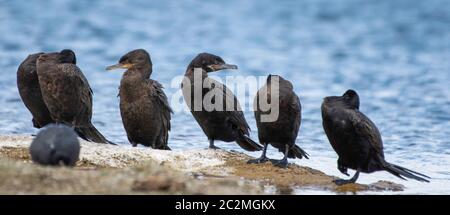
x=107, y=169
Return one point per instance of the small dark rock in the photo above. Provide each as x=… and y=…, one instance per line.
x=55, y=145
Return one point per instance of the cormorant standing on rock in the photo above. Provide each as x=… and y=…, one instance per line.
x=356, y=139
x=228, y=124
x=281, y=132
x=144, y=107
x=30, y=90
x=55, y=145
x=67, y=94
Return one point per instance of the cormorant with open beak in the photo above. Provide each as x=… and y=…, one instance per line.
x=226, y=123
x=144, y=107
x=281, y=131
x=356, y=139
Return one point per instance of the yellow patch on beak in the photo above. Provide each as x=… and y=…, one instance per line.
x=127, y=66
x=120, y=66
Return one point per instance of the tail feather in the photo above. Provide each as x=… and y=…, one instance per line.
x=161, y=142
x=297, y=152
x=248, y=144
x=403, y=172
x=162, y=147
x=90, y=133
x=411, y=171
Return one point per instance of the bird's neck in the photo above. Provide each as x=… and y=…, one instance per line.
x=197, y=72
x=142, y=72
x=131, y=85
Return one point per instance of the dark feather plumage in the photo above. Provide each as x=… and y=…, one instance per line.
x=67, y=94
x=144, y=107
x=280, y=131
x=356, y=139
x=30, y=91
x=228, y=124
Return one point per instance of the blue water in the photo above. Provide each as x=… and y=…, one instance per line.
x=396, y=54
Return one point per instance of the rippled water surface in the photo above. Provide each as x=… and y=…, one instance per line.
x=396, y=54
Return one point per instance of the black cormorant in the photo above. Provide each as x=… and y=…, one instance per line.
x=30, y=90
x=67, y=94
x=228, y=123
x=281, y=131
x=144, y=107
x=356, y=139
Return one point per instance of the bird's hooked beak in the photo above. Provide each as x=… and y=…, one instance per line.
x=217, y=67
x=119, y=66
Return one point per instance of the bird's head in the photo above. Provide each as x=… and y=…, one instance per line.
x=138, y=60
x=68, y=56
x=349, y=99
x=49, y=58
x=210, y=63
x=64, y=56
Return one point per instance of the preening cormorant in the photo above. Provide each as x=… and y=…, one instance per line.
x=30, y=90
x=55, y=145
x=227, y=123
x=281, y=130
x=144, y=107
x=356, y=139
x=67, y=94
